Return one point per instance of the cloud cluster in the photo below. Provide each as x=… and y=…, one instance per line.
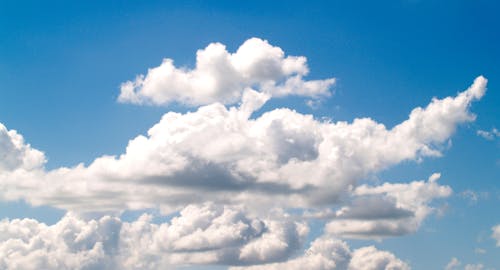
x=329, y=254
x=220, y=76
x=207, y=163
x=200, y=234
x=221, y=154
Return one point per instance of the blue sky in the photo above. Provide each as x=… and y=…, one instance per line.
x=62, y=65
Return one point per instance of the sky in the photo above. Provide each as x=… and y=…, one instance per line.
x=263, y=135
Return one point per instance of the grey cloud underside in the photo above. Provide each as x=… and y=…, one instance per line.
x=372, y=208
x=212, y=177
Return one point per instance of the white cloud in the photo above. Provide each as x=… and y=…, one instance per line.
x=496, y=234
x=200, y=234
x=221, y=154
x=328, y=253
x=220, y=76
x=489, y=135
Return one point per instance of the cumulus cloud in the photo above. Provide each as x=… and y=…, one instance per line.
x=200, y=234
x=329, y=254
x=387, y=210
x=221, y=76
x=220, y=154
x=496, y=234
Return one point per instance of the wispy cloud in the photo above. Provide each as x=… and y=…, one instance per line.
x=489, y=135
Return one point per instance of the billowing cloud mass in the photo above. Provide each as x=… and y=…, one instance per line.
x=221, y=154
x=204, y=166
x=220, y=76
x=200, y=234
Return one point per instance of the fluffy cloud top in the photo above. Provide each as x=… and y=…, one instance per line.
x=220, y=76
x=16, y=154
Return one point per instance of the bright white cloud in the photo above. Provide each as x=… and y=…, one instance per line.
x=329, y=254
x=200, y=234
x=220, y=76
x=221, y=154
x=496, y=234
